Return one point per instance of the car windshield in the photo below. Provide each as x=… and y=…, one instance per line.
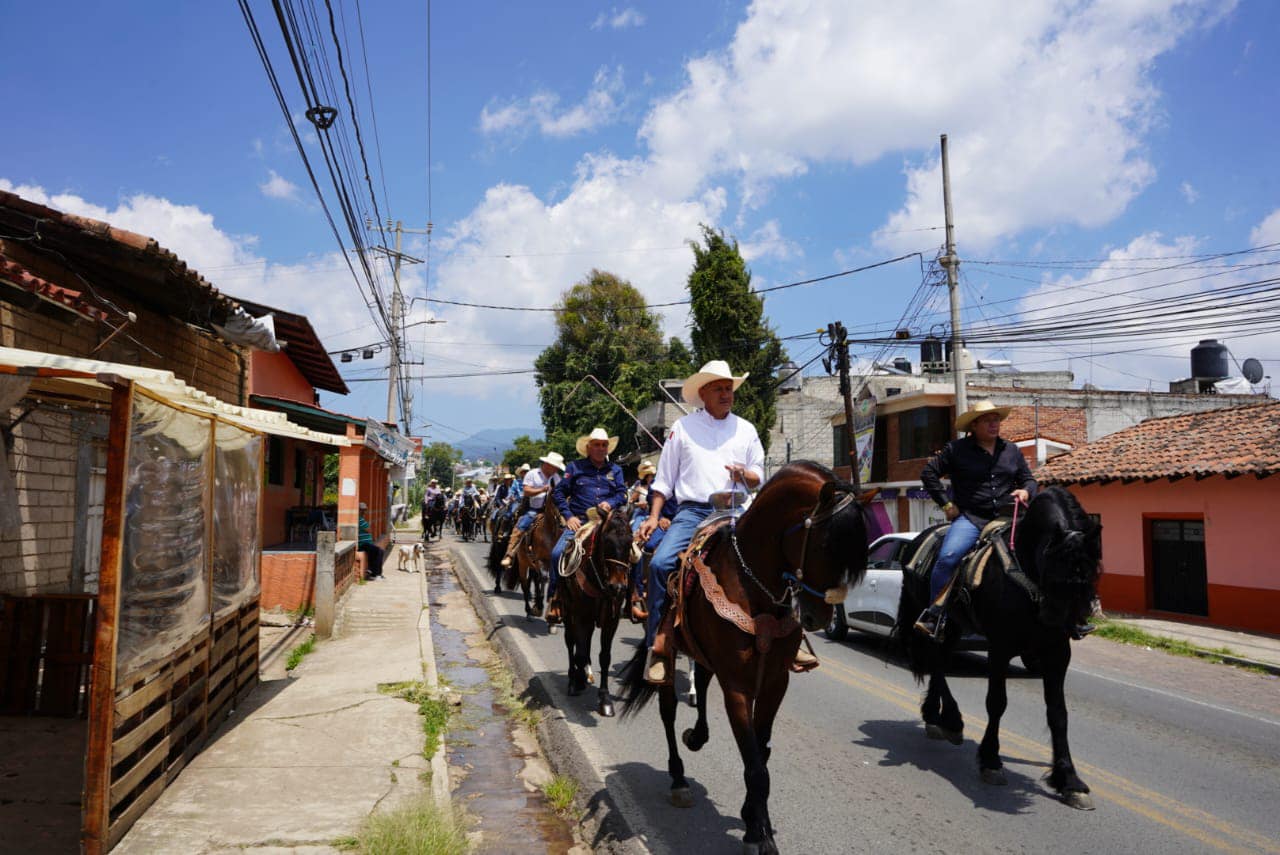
x=882, y=556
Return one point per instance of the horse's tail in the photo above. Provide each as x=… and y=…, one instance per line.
x=636, y=690
x=919, y=650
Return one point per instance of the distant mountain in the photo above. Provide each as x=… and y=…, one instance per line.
x=483, y=443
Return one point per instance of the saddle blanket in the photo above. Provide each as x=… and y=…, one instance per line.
x=973, y=566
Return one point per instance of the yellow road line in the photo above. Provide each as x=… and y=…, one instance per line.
x=1115, y=788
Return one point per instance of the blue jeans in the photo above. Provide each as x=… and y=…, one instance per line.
x=526, y=522
x=650, y=546
x=960, y=539
x=663, y=562
x=556, y=552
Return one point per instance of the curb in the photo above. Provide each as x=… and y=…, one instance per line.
x=1205, y=653
x=604, y=823
x=440, y=786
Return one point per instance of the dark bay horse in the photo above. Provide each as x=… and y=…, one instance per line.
x=533, y=557
x=500, y=535
x=790, y=555
x=594, y=598
x=1059, y=550
x=433, y=517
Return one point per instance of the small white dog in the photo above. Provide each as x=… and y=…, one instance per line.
x=410, y=557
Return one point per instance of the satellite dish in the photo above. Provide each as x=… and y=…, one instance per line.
x=1252, y=370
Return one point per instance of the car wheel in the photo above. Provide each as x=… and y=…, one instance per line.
x=837, y=627
x=1032, y=664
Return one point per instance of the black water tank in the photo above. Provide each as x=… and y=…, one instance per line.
x=902, y=364
x=931, y=349
x=1209, y=360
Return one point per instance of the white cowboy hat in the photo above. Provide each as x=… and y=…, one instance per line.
x=597, y=433
x=506, y=475
x=645, y=468
x=433, y=481
x=977, y=411
x=555, y=459
x=522, y=468
x=716, y=369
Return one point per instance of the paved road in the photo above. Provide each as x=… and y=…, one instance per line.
x=1182, y=755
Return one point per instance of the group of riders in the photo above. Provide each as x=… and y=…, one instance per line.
x=713, y=459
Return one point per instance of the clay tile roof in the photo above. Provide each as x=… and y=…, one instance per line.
x=16, y=274
x=1231, y=442
x=116, y=258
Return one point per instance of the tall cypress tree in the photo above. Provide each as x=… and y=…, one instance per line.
x=729, y=324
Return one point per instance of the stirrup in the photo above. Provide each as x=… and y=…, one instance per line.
x=931, y=622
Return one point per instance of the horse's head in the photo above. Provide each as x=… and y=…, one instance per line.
x=818, y=520
x=612, y=553
x=1062, y=546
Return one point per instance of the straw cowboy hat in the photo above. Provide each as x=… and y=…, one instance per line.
x=598, y=433
x=716, y=369
x=433, y=481
x=522, y=468
x=977, y=411
x=555, y=459
x=645, y=468
x=506, y=475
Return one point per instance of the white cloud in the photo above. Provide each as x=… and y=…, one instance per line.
x=1046, y=105
x=1191, y=194
x=279, y=187
x=769, y=242
x=542, y=110
x=1267, y=232
x=617, y=19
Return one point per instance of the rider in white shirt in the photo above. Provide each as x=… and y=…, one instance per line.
x=708, y=451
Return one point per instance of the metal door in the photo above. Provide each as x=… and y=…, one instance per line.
x=1179, y=575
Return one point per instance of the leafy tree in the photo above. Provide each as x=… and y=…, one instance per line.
x=439, y=459
x=603, y=328
x=524, y=450
x=729, y=324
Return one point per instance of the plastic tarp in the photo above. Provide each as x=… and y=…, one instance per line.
x=164, y=591
x=237, y=493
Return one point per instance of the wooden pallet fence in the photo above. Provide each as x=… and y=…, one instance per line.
x=46, y=654
x=247, y=662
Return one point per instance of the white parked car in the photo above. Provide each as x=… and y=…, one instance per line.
x=872, y=605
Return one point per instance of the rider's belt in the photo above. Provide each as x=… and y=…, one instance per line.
x=706, y=506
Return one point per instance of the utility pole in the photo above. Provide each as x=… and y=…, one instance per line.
x=397, y=309
x=952, y=264
x=838, y=350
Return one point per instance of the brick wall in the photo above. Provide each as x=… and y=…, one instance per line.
x=288, y=580
x=1064, y=424
x=195, y=356
x=43, y=464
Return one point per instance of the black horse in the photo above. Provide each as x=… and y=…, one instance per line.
x=1059, y=549
x=500, y=529
x=433, y=517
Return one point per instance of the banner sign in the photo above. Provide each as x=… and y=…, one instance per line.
x=388, y=443
x=864, y=433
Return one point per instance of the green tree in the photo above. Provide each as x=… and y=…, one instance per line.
x=524, y=450
x=438, y=460
x=729, y=324
x=603, y=328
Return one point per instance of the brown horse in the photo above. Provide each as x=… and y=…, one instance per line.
x=779, y=567
x=593, y=598
x=533, y=556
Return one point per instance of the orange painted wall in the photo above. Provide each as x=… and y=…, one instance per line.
x=275, y=375
x=278, y=498
x=288, y=580
x=361, y=465
x=1242, y=544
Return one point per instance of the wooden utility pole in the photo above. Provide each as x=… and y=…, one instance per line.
x=838, y=342
x=952, y=264
x=397, y=311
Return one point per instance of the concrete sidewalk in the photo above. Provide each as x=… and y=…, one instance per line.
x=1247, y=648
x=310, y=755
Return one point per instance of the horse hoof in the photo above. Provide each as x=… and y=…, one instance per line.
x=692, y=699
x=764, y=847
x=682, y=797
x=995, y=777
x=575, y=690
x=606, y=709
x=934, y=731
x=1077, y=800
x=691, y=741
x=553, y=629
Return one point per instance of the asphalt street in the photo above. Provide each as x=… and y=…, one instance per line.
x=1182, y=755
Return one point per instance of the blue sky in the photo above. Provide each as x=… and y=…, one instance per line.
x=1119, y=137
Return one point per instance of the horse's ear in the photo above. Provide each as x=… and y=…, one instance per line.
x=868, y=496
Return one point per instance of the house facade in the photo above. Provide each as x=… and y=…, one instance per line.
x=1186, y=505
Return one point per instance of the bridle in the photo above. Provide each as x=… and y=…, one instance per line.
x=795, y=583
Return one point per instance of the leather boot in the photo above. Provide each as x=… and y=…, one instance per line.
x=930, y=622
x=553, y=616
x=805, y=660
x=510, y=557
x=656, y=669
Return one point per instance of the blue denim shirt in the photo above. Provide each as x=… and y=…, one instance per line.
x=584, y=486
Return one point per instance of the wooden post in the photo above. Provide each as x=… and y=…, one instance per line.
x=97, y=777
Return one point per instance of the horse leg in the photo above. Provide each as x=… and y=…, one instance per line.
x=942, y=719
x=606, y=659
x=755, y=774
x=577, y=677
x=680, y=793
x=771, y=695
x=989, y=766
x=696, y=737
x=694, y=692
x=1063, y=778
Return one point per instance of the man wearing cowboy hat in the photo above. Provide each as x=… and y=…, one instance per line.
x=537, y=484
x=592, y=482
x=708, y=451
x=986, y=471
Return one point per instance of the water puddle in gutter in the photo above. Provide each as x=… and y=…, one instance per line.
x=495, y=768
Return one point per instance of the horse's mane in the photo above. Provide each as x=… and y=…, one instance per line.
x=1076, y=538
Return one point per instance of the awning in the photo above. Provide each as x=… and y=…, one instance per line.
x=316, y=418
x=164, y=385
